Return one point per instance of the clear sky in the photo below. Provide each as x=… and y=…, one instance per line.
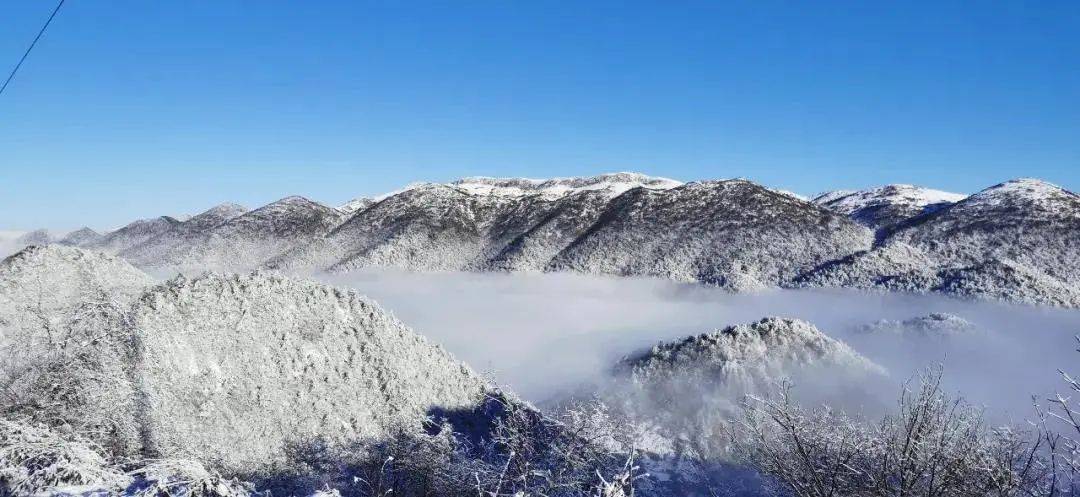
x=134, y=108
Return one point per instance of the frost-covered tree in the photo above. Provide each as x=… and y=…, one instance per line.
x=932, y=445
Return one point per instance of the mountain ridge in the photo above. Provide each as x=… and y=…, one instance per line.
x=1011, y=241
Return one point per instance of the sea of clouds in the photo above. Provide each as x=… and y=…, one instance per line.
x=543, y=335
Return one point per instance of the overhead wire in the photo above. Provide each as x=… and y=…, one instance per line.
x=31, y=47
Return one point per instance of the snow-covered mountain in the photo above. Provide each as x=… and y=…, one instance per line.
x=733, y=233
x=239, y=240
x=356, y=205
x=746, y=355
x=707, y=232
x=235, y=371
x=133, y=234
x=1015, y=241
x=887, y=205
x=469, y=224
x=239, y=369
x=614, y=184
x=692, y=388
x=80, y=237
x=54, y=277
x=36, y=237
x=165, y=245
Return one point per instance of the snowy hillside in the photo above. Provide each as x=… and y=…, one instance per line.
x=689, y=389
x=470, y=224
x=887, y=205
x=355, y=205
x=54, y=277
x=734, y=233
x=231, y=238
x=745, y=356
x=133, y=234
x=235, y=369
x=80, y=237
x=1015, y=241
x=231, y=370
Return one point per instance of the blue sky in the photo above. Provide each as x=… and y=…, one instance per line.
x=130, y=108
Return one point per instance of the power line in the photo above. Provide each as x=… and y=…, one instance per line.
x=31, y=47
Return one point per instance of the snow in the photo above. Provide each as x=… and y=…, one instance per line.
x=551, y=189
x=753, y=354
x=355, y=205
x=829, y=196
x=729, y=233
x=1014, y=241
x=614, y=183
x=81, y=236
x=232, y=370
x=908, y=195
x=1033, y=191
x=791, y=194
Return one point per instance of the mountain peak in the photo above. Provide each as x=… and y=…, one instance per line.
x=80, y=236
x=1031, y=187
x=225, y=208
x=751, y=350
x=615, y=183
x=915, y=196
x=293, y=199
x=356, y=205
x=36, y=237
x=1021, y=192
x=290, y=204
x=887, y=205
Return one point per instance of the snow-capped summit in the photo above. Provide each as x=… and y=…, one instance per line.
x=615, y=183
x=887, y=205
x=285, y=213
x=356, y=205
x=214, y=216
x=1014, y=241
x=1024, y=192
x=79, y=237
x=831, y=195
x=134, y=233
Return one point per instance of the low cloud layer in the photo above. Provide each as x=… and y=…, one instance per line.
x=544, y=335
x=7, y=242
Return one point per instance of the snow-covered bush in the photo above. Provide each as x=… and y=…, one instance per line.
x=34, y=459
x=503, y=448
x=1060, y=427
x=68, y=373
x=932, y=446
x=183, y=478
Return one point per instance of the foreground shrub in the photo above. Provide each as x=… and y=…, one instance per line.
x=932, y=446
x=505, y=449
x=183, y=478
x=33, y=459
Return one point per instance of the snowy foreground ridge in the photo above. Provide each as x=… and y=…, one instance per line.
x=1016, y=241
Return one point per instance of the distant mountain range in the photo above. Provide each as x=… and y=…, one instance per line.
x=1016, y=241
